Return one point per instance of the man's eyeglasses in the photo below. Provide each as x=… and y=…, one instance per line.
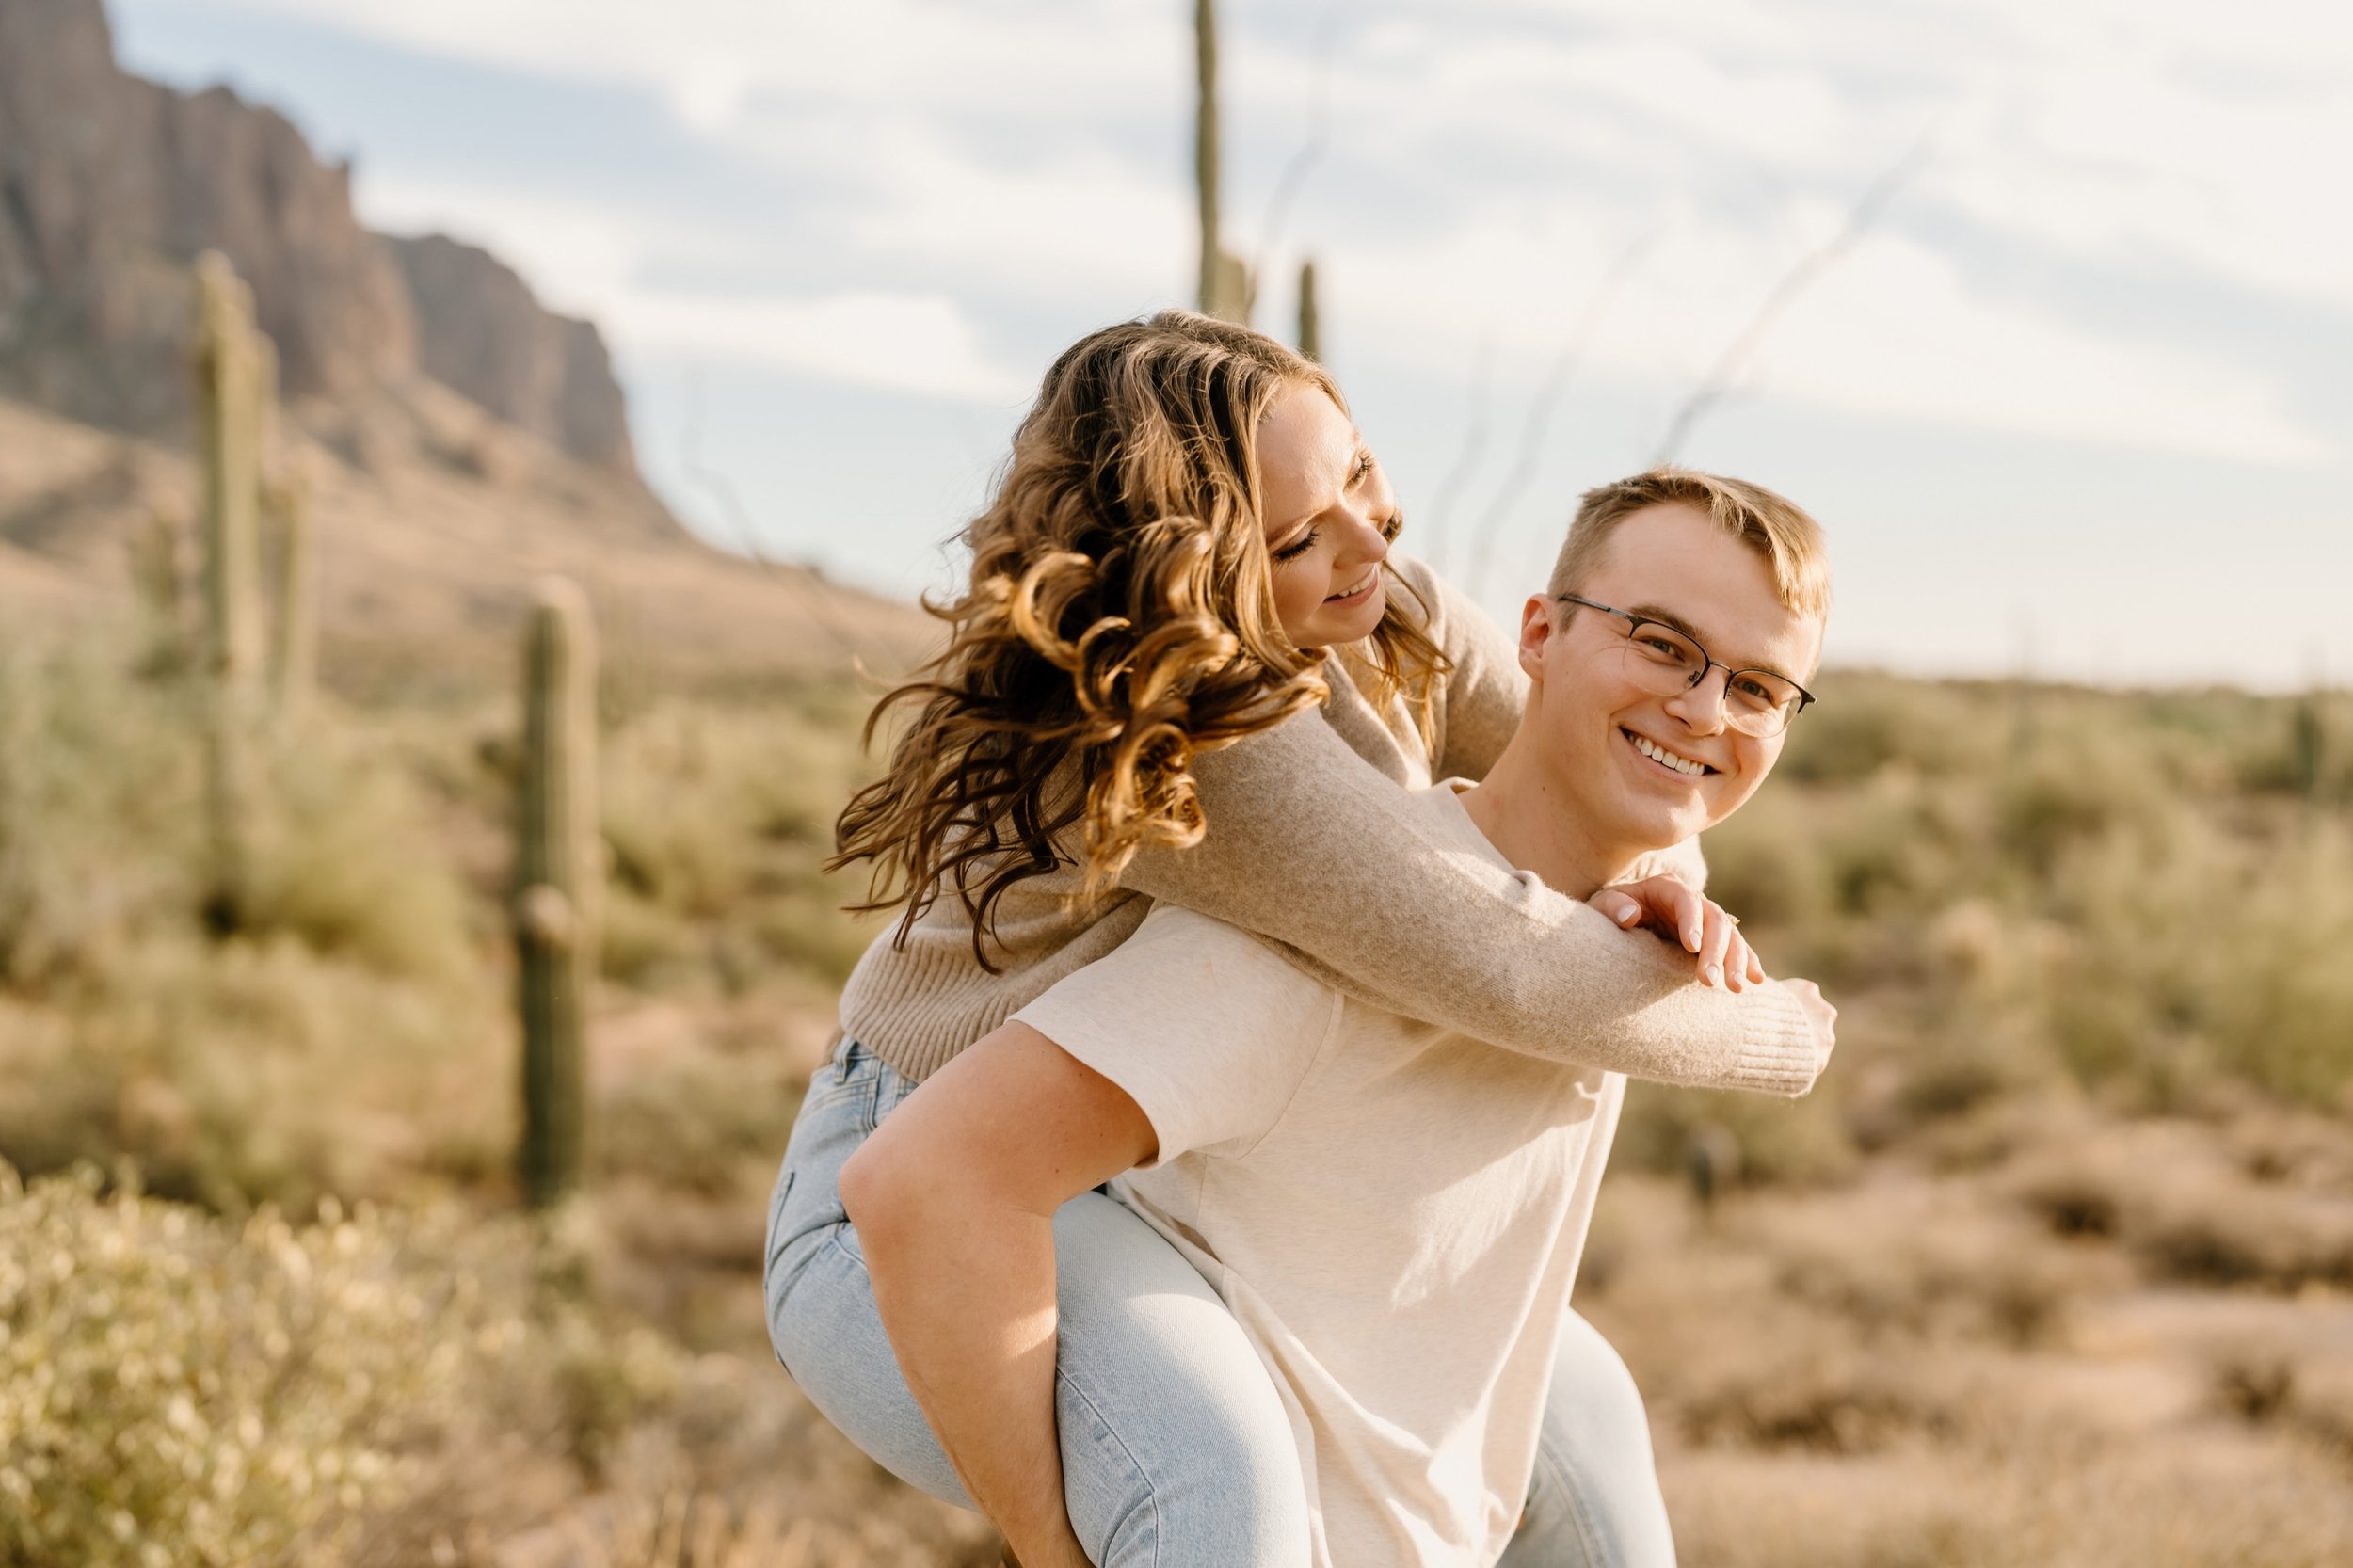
x=1756, y=701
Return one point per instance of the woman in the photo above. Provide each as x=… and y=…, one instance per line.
x=1122, y=715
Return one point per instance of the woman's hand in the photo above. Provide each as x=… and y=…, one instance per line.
x=1674, y=910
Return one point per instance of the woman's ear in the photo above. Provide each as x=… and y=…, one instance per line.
x=1535, y=633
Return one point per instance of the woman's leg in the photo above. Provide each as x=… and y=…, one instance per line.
x=1593, y=1500
x=1175, y=1448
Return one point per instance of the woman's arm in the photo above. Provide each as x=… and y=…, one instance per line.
x=1480, y=704
x=954, y=1197
x=1310, y=846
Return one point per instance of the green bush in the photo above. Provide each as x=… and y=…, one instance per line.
x=719, y=821
x=174, y=1390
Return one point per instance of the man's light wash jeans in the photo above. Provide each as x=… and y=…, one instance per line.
x=1176, y=1450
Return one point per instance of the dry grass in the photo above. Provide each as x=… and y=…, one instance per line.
x=2106, y=1342
x=2055, y=1268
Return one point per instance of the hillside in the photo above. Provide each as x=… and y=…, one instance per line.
x=424, y=563
x=458, y=438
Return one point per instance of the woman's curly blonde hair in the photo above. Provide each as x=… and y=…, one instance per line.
x=1119, y=620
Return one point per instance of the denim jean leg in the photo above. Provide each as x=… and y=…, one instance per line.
x=1176, y=1450
x=1593, y=1500
x=822, y=1318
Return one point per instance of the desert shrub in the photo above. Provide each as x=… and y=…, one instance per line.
x=2222, y=1235
x=102, y=830
x=345, y=863
x=1762, y=863
x=700, y=1122
x=2074, y=1197
x=2175, y=1202
x=254, y=1071
x=2087, y=888
x=1828, y=1397
x=719, y=820
x=181, y=1391
x=1891, y=1265
x=1866, y=723
x=99, y=811
x=1779, y=1139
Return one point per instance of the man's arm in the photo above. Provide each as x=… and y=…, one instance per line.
x=953, y=1198
x=1310, y=846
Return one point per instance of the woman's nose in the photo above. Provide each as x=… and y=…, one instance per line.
x=1368, y=541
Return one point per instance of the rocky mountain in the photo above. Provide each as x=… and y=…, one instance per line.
x=456, y=440
x=110, y=186
x=480, y=331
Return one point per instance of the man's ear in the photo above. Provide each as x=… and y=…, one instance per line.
x=1535, y=632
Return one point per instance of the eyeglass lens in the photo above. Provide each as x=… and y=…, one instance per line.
x=1756, y=701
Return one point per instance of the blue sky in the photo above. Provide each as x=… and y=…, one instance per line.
x=2076, y=400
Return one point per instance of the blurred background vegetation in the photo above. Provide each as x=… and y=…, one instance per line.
x=2055, y=1267
x=2097, y=1041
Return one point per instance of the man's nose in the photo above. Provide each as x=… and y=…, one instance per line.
x=1701, y=705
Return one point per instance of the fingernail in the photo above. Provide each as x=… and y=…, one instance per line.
x=1628, y=917
x=1715, y=974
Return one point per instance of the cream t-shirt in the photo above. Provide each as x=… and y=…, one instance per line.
x=1393, y=1212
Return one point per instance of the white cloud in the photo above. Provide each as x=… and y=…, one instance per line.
x=2111, y=133
x=906, y=343
x=1900, y=334
x=588, y=261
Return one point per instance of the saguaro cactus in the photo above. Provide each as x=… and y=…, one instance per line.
x=557, y=873
x=1310, y=316
x=229, y=373
x=1225, y=280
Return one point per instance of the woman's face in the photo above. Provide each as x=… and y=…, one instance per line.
x=1329, y=518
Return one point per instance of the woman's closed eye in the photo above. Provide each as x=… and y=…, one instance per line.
x=1300, y=546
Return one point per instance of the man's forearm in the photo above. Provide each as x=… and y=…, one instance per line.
x=966, y=1293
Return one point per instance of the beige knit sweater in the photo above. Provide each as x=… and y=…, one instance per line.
x=1313, y=845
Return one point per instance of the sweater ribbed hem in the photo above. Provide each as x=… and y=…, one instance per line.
x=918, y=1006
x=1779, y=1056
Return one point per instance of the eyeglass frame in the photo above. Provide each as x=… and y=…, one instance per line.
x=1707, y=661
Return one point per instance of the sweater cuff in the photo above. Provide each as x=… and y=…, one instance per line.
x=1778, y=1055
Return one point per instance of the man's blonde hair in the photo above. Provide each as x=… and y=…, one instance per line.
x=1773, y=526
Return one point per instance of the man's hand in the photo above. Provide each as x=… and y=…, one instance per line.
x=1669, y=907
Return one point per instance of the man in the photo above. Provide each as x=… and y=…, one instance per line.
x=1393, y=1214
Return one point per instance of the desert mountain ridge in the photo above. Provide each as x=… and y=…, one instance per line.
x=458, y=438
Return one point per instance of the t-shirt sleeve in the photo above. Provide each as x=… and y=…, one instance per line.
x=1207, y=1030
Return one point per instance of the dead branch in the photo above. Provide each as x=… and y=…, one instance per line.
x=1808, y=270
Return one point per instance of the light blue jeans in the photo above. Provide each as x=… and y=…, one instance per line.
x=1176, y=1450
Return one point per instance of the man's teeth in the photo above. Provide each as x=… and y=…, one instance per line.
x=1660, y=754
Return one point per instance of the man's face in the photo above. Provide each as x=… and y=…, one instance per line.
x=1592, y=718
